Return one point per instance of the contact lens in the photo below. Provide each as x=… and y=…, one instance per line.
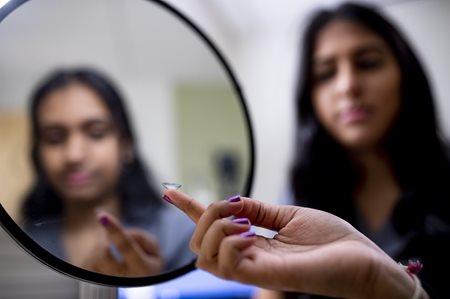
x=171, y=186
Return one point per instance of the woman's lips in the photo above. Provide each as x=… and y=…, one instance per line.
x=354, y=115
x=78, y=179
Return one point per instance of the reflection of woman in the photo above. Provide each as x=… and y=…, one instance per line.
x=85, y=159
x=368, y=144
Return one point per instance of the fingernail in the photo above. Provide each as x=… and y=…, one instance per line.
x=235, y=198
x=248, y=234
x=104, y=220
x=241, y=221
x=167, y=198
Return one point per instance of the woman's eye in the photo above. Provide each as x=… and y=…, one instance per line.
x=323, y=76
x=54, y=137
x=369, y=63
x=97, y=133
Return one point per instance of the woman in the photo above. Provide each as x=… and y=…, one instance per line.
x=369, y=149
x=90, y=178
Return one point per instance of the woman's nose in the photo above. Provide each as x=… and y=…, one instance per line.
x=75, y=150
x=348, y=81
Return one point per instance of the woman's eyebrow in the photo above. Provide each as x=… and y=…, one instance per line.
x=370, y=49
x=360, y=51
x=97, y=122
x=85, y=123
x=51, y=126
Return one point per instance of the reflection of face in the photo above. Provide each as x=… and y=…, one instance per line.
x=79, y=147
x=356, y=91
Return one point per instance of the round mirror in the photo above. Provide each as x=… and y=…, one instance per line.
x=100, y=102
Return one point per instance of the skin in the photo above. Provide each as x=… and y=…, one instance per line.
x=313, y=252
x=82, y=154
x=79, y=147
x=356, y=89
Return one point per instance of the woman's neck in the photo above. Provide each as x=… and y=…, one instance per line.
x=78, y=216
x=83, y=234
x=373, y=165
x=378, y=190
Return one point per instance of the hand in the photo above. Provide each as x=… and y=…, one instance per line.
x=140, y=255
x=313, y=252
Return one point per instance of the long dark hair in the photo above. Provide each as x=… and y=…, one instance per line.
x=322, y=175
x=42, y=202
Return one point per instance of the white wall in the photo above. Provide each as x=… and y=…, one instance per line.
x=150, y=102
x=427, y=24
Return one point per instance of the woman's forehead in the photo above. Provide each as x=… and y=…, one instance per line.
x=72, y=103
x=345, y=36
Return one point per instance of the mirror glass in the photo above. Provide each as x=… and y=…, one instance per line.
x=100, y=102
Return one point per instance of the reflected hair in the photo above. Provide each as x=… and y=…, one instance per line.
x=136, y=191
x=322, y=175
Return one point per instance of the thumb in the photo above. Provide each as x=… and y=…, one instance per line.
x=270, y=216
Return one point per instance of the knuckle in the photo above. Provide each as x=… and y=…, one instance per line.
x=200, y=263
x=215, y=206
x=217, y=225
x=220, y=224
x=190, y=205
x=223, y=222
x=193, y=244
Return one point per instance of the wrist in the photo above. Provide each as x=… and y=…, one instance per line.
x=412, y=269
x=396, y=281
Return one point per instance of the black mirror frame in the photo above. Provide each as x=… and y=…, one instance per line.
x=70, y=270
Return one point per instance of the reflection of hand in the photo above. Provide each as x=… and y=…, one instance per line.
x=139, y=251
x=314, y=251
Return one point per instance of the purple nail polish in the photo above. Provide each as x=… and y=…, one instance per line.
x=104, y=220
x=241, y=221
x=248, y=234
x=235, y=198
x=167, y=198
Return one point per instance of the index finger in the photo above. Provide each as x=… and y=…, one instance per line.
x=116, y=233
x=184, y=202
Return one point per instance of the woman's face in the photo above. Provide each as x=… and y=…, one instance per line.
x=356, y=85
x=79, y=145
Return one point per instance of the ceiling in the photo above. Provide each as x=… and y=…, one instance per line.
x=245, y=18
x=135, y=37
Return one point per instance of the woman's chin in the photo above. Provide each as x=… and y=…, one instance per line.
x=359, y=143
x=81, y=196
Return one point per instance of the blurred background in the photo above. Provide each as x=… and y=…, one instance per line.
x=188, y=118
x=258, y=38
